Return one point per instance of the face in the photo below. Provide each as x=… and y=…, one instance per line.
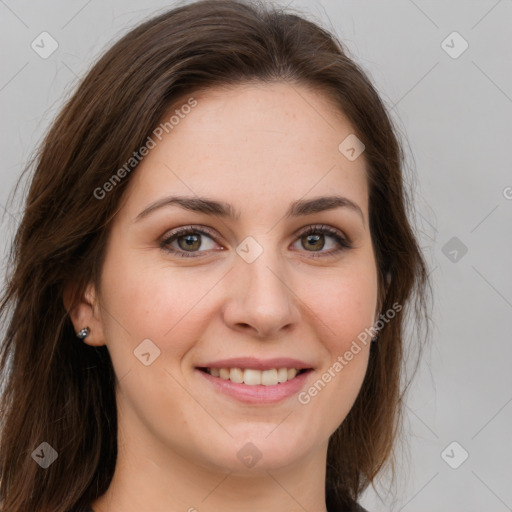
x=267, y=278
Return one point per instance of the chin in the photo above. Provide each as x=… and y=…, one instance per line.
x=248, y=454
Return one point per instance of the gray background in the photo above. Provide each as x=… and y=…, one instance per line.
x=456, y=114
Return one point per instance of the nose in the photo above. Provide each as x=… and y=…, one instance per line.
x=262, y=300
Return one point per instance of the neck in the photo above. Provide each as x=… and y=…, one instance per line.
x=151, y=476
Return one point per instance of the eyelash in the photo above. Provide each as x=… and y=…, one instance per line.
x=343, y=242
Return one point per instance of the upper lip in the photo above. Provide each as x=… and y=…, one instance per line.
x=258, y=364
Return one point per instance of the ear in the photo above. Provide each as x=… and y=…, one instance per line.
x=85, y=312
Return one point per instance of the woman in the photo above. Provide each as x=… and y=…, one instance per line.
x=206, y=304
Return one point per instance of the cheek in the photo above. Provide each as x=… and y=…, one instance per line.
x=346, y=303
x=345, y=307
x=151, y=310
x=151, y=301
x=346, y=313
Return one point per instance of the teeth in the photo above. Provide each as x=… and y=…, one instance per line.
x=253, y=377
x=269, y=377
x=291, y=373
x=236, y=375
x=282, y=375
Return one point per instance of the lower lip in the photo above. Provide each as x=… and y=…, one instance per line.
x=258, y=394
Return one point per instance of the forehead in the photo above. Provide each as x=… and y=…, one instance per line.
x=251, y=145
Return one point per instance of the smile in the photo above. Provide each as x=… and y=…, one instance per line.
x=256, y=386
x=253, y=377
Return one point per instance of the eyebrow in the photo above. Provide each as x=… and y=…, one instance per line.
x=225, y=210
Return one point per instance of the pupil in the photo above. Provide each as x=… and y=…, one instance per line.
x=190, y=240
x=315, y=238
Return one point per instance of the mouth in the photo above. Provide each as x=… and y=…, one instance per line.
x=254, y=386
x=255, y=377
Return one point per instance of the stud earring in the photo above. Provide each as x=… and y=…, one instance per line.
x=83, y=333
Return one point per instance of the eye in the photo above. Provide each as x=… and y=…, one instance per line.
x=186, y=241
x=314, y=237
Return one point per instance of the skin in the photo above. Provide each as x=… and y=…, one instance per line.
x=258, y=147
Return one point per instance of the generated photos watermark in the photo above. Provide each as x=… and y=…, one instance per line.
x=363, y=338
x=158, y=133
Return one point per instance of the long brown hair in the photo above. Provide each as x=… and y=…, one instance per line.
x=62, y=392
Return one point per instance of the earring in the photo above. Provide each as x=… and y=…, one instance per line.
x=83, y=333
